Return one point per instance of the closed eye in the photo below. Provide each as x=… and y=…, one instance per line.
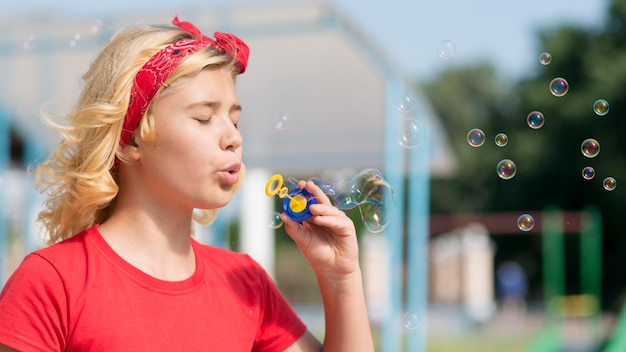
x=204, y=121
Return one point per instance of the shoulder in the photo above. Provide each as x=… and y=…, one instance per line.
x=68, y=253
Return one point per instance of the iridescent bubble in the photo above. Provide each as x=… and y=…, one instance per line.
x=369, y=191
x=412, y=133
x=282, y=123
x=74, y=41
x=405, y=104
x=525, y=222
x=446, y=49
x=609, y=183
x=476, y=137
x=411, y=320
x=545, y=58
x=274, y=220
x=501, y=139
x=559, y=87
x=96, y=26
x=29, y=43
x=589, y=173
x=535, y=120
x=506, y=169
x=590, y=148
x=601, y=107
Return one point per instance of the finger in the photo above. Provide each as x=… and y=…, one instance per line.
x=317, y=192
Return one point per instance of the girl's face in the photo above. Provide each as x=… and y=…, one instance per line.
x=195, y=158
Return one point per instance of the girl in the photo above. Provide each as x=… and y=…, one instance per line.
x=153, y=137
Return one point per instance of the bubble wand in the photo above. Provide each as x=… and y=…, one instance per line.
x=368, y=191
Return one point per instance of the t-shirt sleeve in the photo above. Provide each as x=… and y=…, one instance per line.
x=33, y=307
x=280, y=325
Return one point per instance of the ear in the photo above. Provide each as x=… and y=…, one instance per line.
x=132, y=151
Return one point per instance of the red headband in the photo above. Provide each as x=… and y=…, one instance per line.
x=160, y=66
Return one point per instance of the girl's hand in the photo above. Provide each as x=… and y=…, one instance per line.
x=328, y=239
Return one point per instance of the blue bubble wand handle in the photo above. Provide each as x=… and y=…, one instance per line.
x=295, y=203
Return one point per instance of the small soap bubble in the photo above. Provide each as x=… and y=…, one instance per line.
x=282, y=123
x=74, y=40
x=405, y=104
x=96, y=26
x=589, y=173
x=446, y=49
x=29, y=43
x=412, y=133
x=609, y=183
x=559, y=87
x=525, y=222
x=411, y=320
x=506, y=169
x=601, y=107
x=590, y=148
x=535, y=120
x=545, y=58
x=501, y=139
x=476, y=137
x=274, y=220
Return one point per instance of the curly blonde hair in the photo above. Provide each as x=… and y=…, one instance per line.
x=77, y=175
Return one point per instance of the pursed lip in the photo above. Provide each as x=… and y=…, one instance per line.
x=233, y=169
x=230, y=174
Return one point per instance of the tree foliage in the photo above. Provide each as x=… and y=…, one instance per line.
x=549, y=160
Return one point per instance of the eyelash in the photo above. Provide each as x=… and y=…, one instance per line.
x=207, y=121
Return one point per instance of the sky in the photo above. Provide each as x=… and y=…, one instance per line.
x=502, y=32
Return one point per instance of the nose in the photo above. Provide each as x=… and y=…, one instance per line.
x=231, y=137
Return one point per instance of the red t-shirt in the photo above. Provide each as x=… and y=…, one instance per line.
x=79, y=295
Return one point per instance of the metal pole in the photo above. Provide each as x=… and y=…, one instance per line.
x=5, y=156
x=418, y=235
x=391, y=332
x=591, y=264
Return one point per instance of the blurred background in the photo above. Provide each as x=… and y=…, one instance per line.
x=506, y=234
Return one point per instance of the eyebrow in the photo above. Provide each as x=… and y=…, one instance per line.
x=213, y=104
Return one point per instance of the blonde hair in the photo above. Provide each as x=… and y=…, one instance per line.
x=77, y=175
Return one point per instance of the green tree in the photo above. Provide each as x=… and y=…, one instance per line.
x=549, y=160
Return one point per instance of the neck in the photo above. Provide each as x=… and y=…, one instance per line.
x=151, y=237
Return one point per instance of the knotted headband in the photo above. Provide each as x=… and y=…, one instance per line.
x=160, y=66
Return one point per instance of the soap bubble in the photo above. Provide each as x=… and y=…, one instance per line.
x=411, y=320
x=601, y=107
x=368, y=191
x=525, y=222
x=405, y=104
x=545, y=58
x=506, y=169
x=501, y=139
x=96, y=26
x=609, y=183
x=590, y=148
x=74, y=41
x=446, y=49
x=589, y=173
x=559, y=87
x=535, y=120
x=282, y=123
x=274, y=220
x=412, y=134
x=476, y=137
x=29, y=43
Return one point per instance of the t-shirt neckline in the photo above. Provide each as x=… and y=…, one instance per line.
x=142, y=278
